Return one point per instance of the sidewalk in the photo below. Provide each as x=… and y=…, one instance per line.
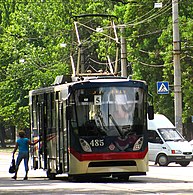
x=5, y=162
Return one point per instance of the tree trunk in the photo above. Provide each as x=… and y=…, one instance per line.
x=2, y=136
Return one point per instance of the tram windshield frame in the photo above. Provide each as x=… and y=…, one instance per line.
x=108, y=111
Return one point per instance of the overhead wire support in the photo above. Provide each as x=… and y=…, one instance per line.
x=114, y=39
x=82, y=62
x=77, y=34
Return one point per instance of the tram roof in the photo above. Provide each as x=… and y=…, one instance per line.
x=88, y=81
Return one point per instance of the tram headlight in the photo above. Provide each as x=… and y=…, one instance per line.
x=138, y=144
x=85, y=146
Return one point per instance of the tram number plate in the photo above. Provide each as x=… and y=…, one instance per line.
x=97, y=142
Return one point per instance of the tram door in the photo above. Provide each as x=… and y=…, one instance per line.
x=61, y=136
x=40, y=151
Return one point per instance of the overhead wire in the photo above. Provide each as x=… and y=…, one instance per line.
x=151, y=65
x=148, y=19
x=151, y=52
x=152, y=17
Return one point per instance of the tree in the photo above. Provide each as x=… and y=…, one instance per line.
x=31, y=56
x=150, y=50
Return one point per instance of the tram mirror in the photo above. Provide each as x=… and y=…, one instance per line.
x=150, y=112
x=69, y=112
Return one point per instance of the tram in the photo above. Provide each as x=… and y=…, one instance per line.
x=91, y=126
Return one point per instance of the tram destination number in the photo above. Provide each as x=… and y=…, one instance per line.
x=97, y=142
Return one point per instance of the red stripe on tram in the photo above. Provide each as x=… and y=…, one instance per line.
x=109, y=156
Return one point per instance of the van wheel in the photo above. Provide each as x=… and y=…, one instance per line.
x=162, y=160
x=184, y=163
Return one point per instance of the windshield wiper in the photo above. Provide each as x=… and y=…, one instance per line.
x=117, y=127
x=100, y=123
x=177, y=140
x=169, y=140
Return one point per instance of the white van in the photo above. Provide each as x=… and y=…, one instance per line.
x=166, y=144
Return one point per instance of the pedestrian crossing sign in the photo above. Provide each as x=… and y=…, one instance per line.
x=163, y=87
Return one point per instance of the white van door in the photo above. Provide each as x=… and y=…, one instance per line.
x=154, y=144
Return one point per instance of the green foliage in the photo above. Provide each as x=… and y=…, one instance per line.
x=31, y=55
x=31, y=34
x=149, y=39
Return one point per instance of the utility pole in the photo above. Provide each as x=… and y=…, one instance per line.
x=123, y=53
x=177, y=70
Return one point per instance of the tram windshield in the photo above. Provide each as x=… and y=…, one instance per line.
x=111, y=111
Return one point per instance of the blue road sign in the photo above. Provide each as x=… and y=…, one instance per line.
x=162, y=87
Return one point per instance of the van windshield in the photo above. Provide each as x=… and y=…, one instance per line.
x=169, y=134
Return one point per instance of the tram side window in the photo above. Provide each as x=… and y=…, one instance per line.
x=34, y=112
x=139, y=112
x=53, y=113
x=49, y=109
x=41, y=104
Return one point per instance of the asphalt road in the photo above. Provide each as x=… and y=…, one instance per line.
x=173, y=179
